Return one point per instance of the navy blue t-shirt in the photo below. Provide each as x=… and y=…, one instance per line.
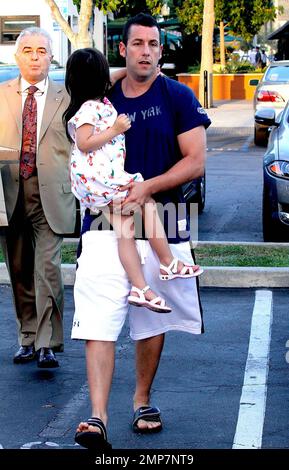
x=158, y=116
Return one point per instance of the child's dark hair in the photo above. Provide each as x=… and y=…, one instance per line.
x=142, y=19
x=87, y=78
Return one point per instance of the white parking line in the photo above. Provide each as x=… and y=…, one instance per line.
x=222, y=149
x=29, y=445
x=247, y=144
x=250, y=423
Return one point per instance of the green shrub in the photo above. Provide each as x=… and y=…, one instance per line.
x=239, y=67
x=194, y=68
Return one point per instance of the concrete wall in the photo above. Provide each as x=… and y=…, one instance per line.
x=225, y=86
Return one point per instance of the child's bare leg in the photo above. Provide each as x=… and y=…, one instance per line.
x=124, y=228
x=156, y=235
x=155, y=232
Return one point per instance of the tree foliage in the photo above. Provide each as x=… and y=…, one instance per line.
x=190, y=15
x=243, y=17
x=133, y=7
x=103, y=5
x=124, y=6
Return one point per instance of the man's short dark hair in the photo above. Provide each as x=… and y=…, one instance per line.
x=142, y=19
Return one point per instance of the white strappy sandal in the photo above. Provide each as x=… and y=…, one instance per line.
x=157, y=304
x=172, y=271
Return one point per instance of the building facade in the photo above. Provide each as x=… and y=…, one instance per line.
x=282, y=18
x=16, y=15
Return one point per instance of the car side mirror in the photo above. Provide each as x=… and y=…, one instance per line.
x=266, y=117
x=254, y=82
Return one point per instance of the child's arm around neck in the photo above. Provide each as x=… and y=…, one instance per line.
x=117, y=75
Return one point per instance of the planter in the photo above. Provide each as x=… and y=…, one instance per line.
x=226, y=86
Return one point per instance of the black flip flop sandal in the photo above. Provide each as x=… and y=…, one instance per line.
x=93, y=440
x=147, y=413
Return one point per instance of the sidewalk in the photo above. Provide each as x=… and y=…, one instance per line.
x=233, y=117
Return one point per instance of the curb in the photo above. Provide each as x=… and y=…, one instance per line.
x=213, y=276
x=228, y=131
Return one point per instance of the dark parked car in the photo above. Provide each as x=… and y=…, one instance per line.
x=276, y=176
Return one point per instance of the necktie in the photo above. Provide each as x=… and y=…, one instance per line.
x=29, y=135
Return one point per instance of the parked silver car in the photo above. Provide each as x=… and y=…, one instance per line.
x=272, y=92
x=276, y=176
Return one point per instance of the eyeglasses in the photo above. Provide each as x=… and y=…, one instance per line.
x=30, y=52
x=26, y=93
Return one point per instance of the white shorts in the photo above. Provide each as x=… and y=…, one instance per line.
x=102, y=287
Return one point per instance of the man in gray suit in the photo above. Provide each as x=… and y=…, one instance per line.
x=39, y=202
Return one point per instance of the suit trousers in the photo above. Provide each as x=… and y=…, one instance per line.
x=33, y=256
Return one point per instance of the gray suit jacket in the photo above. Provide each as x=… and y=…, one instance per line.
x=52, y=159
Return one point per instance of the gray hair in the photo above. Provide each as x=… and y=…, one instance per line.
x=33, y=31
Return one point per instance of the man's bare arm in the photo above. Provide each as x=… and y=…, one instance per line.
x=193, y=148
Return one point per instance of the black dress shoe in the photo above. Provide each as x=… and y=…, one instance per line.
x=24, y=354
x=46, y=359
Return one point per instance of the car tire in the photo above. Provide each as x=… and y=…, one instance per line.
x=201, y=195
x=260, y=136
x=273, y=229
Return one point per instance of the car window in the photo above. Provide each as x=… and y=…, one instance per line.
x=277, y=74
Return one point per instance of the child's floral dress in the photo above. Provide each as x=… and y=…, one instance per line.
x=96, y=176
